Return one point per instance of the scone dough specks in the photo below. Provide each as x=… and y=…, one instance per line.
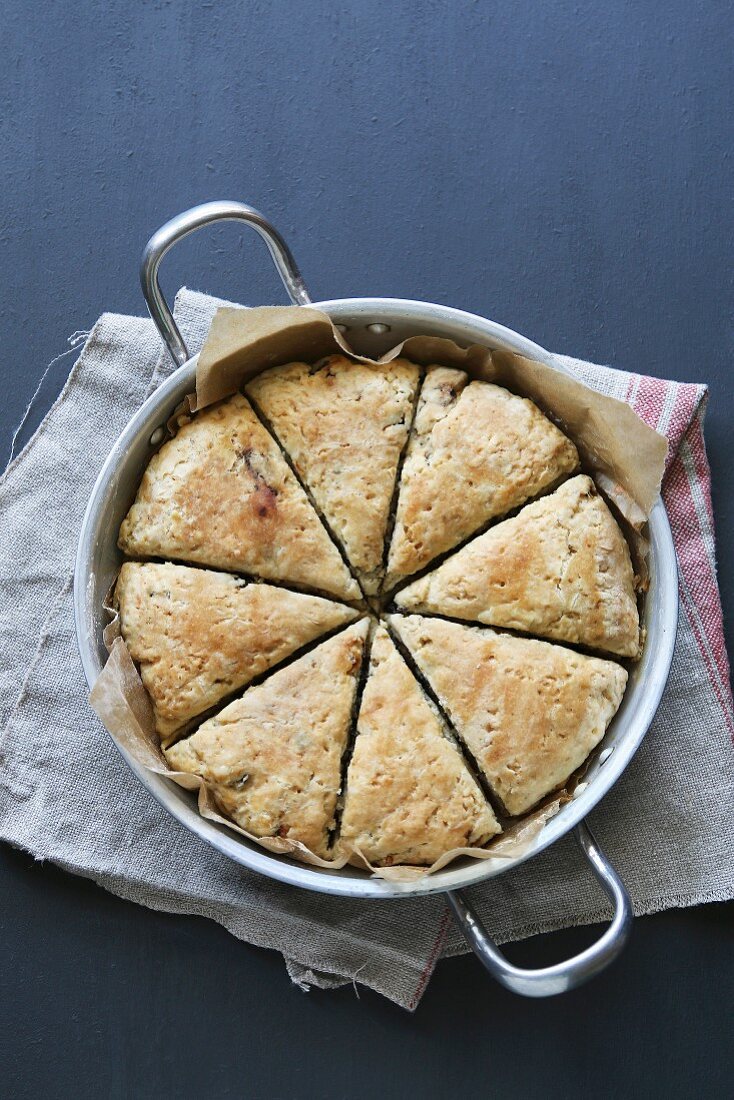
x=529, y=712
x=476, y=451
x=560, y=569
x=409, y=795
x=344, y=426
x=354, y=601
x=221, y=494
x=198, y=635
x=272, y=759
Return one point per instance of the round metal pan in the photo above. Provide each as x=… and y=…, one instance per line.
x=374, y=325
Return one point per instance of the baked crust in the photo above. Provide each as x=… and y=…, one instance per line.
x=198, y=635
x=409, y=795
x=529, y=712
x=344, y=426
x=561, y=569
x=272, y=759
x=221, y=494
x=476, y=451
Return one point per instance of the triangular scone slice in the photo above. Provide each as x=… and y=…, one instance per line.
x=409, y=795
x=220, y=493
x=199, y=635
x=476, y=451
x=529, y=712
x=272, y=759
x=561, y=568
x=344, y=426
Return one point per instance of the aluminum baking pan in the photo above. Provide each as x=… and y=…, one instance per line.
x=373, y=325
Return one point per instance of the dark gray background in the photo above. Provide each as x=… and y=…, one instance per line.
x=563, y=168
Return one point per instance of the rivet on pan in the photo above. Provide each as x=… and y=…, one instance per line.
x=580, y=789
x=605, y=754
x=342, y=328
x=378, y=328
x=156, y=437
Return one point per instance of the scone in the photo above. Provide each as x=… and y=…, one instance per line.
x=476, y=451
x=336, y=481
x=272, y=759
x=528, y=711
x=561, y=569
x=221, y=494
x=198, y=635
x=409, y=795
x=344, y=426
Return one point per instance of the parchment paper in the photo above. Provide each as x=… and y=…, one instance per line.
x=625, y=457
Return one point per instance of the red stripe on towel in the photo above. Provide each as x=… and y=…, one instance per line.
x=699, y=591
x=687, y=401
x=649, y=399
x=431, y=960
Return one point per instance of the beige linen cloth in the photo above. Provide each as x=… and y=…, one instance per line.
x=67, y=796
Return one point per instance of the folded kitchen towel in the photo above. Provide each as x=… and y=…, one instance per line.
x=667, y=825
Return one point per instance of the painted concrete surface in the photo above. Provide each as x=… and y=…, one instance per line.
x=565, y=169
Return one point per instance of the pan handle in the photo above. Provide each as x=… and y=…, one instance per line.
x=563, y=976
x=178, y=228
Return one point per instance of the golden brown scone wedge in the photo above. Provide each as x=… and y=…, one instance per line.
x=529, y=712
x=476, y=451
x=221, y=494
x=272, y=759
x=409, y=795
x=561, y=568
x=198, y=635
x=344, y=426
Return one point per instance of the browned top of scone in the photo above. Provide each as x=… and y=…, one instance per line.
x=392, y=481
x=344, y=426
x=476, y=451
x=221, y=494
x=560, y=569
x=409, y=795
x=198, y=635
x=272, y=759
x=530, y=712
